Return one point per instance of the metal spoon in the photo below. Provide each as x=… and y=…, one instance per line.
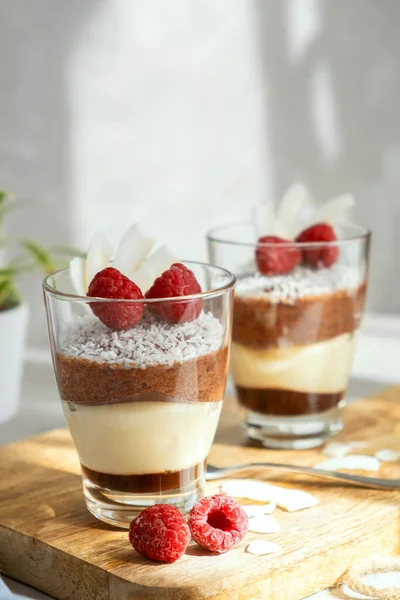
x=213, y=473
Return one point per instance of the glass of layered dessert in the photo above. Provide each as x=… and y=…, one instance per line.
x=140, y=345
x=301, y=286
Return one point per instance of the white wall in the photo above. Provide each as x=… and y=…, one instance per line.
x=182, y=114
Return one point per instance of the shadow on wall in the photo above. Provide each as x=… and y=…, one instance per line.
x=332, y=81
x=35, y=43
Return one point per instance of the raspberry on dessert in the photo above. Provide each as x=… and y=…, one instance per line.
x=110, y=283
x=178, y=280
x=276, y=256
x=218, y=523
x=324, y=256
x=160, y=533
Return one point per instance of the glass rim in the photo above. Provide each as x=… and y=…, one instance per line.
x=213, y=235
x=47, y=287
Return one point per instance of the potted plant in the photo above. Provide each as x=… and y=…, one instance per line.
x=27, y=256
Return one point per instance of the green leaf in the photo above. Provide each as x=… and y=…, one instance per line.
x=40, y=255
x=6, y=197
x=6, y=203
x=9, y=296
x=40, y=258
x=10, y=271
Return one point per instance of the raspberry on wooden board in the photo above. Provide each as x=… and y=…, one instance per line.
x=218, y=523
x=160, y=533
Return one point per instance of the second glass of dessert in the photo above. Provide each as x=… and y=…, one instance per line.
x=299, y=299
x=140, y=349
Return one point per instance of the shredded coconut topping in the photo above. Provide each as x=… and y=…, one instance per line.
x=302, y=282
x=150, y=343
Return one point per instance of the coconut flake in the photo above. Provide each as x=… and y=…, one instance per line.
x=253, y=510
x=288, y=499
x=354, y=462
x=300, y=283
x=297, y=210
x=387, y=455
x=336, y=449
x=265, y=221
x=247, y=488
x=339, y=449
x=335, y=210
x=296, y=199
x=77, y=275
x=152, y=342
x=264, y=524
x=269, y=508
x=98, y=257
x=133, y=249
x=262, y=547
x=153, y=267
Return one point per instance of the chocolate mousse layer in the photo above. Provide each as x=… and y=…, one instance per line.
x=150, y=483
x=286, y=403
x=260, y=323
x=157, y=361
x=296, y=310
x=87, y=381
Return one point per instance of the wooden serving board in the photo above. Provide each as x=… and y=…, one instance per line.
x=49, y=540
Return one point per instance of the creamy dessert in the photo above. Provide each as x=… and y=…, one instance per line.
x=140, y=350
x=143, y=404
x=302, y=272
x=298, y=308
x=294, y=338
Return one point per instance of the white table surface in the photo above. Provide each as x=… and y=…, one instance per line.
x=376, y=367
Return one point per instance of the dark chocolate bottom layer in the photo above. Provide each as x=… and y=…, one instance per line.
x=150, y=483
x=286, y=403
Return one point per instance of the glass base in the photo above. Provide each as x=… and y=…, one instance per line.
x=119, y=508
x=293, y=433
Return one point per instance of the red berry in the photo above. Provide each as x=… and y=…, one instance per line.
x=110, y=283
x=322, y=255
x=160, y=533
x=178, y=280
x=218, y=523
x=279, y=256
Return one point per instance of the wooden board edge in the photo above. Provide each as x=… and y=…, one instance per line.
x=50, y=570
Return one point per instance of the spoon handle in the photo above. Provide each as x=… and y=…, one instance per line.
x=359, y=480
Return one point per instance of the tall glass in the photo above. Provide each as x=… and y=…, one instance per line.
x=294, y=334
x=142, y=404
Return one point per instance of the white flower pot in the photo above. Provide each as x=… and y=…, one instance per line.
x=13, y=330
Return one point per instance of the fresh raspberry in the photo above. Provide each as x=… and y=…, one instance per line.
x=110, y=283
x=324, y=256
x=278, y=257
x=218, y=523
x=160, y=533
x=178, y=280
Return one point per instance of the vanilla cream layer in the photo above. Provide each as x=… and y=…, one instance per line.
x=323, y=367
x=143, y=437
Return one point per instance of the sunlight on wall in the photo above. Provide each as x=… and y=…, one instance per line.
x=303, y=23
x=167, y=120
